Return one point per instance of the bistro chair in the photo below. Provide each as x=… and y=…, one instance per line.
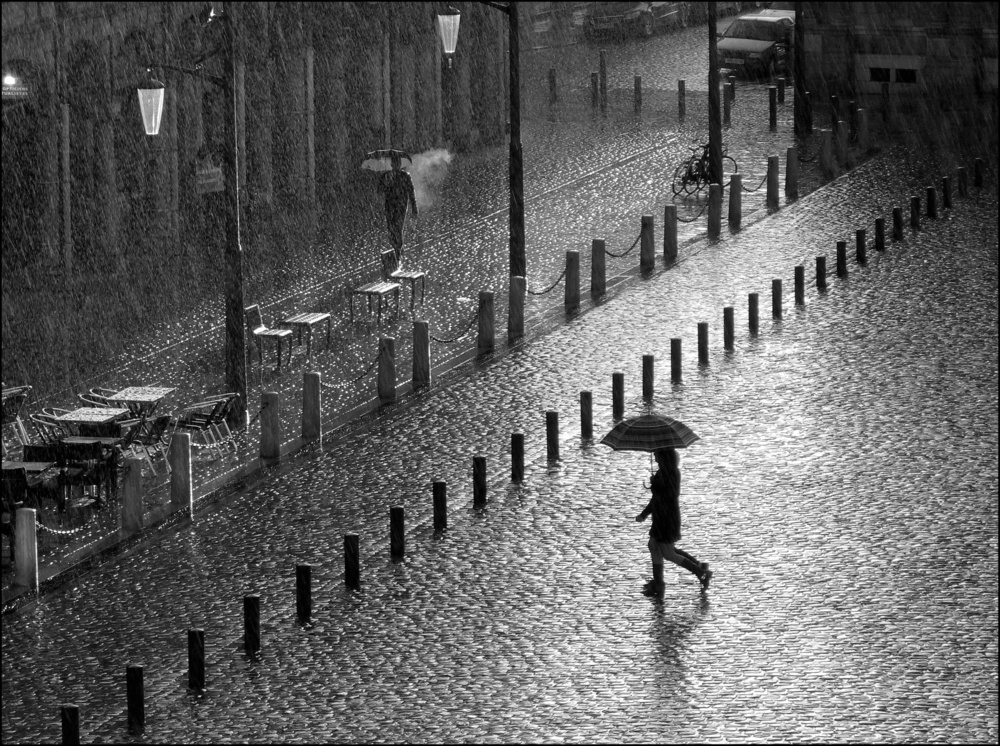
x=152, y=440
x=93, y=400
x=13, y=498
x=14, y=400
x=258, y=331
x=392, y=271
x=208, y=418
x=50, y=430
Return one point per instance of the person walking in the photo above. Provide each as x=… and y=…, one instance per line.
x=398, y=189
x=666, y=529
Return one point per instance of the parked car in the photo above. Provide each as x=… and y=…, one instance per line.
x=757, y=45
x=784, y=10
x=632, y=18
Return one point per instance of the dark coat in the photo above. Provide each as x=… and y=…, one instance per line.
x=665, y=506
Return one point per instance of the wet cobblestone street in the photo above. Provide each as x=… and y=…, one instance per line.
x=843, y=490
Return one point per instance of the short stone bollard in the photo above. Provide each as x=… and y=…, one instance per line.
x=637, y=102
x=834, y=113
x=25, y=548
x=303, y=593
x=735, y=201
x=772, y=108
x=821, y=273
x=251, y=624
x=571, y=299
x=860, y=246
x=132, y=496
x=517, y=457
x=727, y=105
x=270, y=425
x=753, y=308
x=680, y=99
x=598, y=269
x=552, y=435
x=915, y=212
x=791, y=173
x=931, y=202
x=181, y=490
x=670, y=233
x=70, y=716
x=728, y=327
x=617, y=395
x=879, y=234
x=478, y=481
x=422, y=354
x=800, y=285
x=647, y=257
x=647, y=376
x=772, y=182
x=963, y=182
x=776, y=299
x=486, y=336
x=781, y=90
x=602, y=69
x=841, y=258
x=702, y=343
x=714, y=210
x=826, y=154
x=440, y=492
x=515, y=307
x=946, y=192
x=352, y=561
x=977, y=169
x=732, y=87
x=312, y=403
x=196, y=659
x=397, y=538
x=594, y=98
x=135, y=700
x=897, y=223
x=586, y=415
x=675, y=359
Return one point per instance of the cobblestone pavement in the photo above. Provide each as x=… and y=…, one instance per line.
x=844, y=492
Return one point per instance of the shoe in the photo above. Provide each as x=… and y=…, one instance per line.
x=706, y=576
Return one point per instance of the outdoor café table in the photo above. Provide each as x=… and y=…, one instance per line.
x=31, y=467
x=143, y=399
x=307, y=321
x=93, y=415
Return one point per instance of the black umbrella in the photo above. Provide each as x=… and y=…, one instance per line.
x=381, y=160
x=649, y=432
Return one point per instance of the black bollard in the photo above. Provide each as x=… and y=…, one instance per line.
x=70, y=715
x=602, y=68
x=931, y=202
x=727, y=327
x=978, y=172
x=915, y=212
x=352, y=561
x=617, y=395
x=800, y=285
x=441, y=497
x=754, y=312
x=703, y=343
x=675, y=359
x=303, y=592
x=647, y=376
x=772, y=107
x=834, y=115
x=781, y=90
x=776, y=299
x=946, y=191
x=196, y=659
x=478, y=481
x=593, y=90
x=897, y=223
x=841, y=258
x=637, y=104
x=680, y=99
x=552, y=435
x=860, y=246
x=821, y=273
x=879, y=234
x=135, y=700
x=727, y=105
x=963, y=182
x=586, y=415
x=251, y=624
x=397, y=537
x=516, y=458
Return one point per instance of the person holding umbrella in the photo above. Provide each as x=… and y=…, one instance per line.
x=397, y=186
x=666, y=530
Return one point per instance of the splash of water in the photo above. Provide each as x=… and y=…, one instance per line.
x=429, y=170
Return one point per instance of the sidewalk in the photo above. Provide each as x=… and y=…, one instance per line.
x=843, y=491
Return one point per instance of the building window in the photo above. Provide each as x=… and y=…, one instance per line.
x=879, y=74
x=904, y=75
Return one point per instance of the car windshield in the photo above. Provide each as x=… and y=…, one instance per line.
x=743, y=28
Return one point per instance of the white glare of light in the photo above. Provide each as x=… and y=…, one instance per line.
x=9, y=80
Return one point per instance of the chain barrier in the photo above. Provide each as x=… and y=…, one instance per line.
x=468, y=328
x=691, y=220
x=549, y=288
x=354, y=380
x=254, y=418
x=619, y=256
x=802, y=159
x=757, y=189
x=64, y=532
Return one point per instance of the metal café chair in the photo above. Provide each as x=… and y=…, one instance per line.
x=208, y=418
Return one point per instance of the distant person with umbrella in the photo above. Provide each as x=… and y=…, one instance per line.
x=397, y=186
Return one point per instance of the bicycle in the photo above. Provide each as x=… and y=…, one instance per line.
x=692, y=175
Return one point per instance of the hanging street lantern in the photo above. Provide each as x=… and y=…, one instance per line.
x=151, y=103
x=448, y=28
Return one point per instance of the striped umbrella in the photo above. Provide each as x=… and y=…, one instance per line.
x=649, y=432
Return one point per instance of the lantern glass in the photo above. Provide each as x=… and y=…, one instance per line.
x=448, y=27
x=151, y=105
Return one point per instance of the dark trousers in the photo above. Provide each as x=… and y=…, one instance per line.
x=395, y=217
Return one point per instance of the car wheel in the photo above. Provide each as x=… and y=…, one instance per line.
x=647, y=25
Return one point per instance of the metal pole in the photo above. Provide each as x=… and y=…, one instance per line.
x=714, y=112
x=517, y=258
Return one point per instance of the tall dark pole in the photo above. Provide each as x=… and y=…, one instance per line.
x=236, y=358
x=517, y=259
x=803, y=123
x=714, y=114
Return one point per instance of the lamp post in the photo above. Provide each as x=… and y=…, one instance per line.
x=448, y=24
x=151, y=104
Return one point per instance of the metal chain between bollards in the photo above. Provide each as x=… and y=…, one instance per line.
x=691, y=220
x=254, y=418
x=619, y=256
x=806, y=160
x=549, y=288
x=368, y=370
x=757, y=187
x=64, y=532
x=468, y=328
